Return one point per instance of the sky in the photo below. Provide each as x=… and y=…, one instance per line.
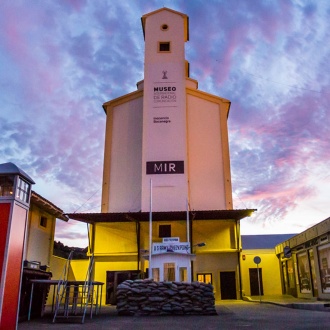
x=61, y=60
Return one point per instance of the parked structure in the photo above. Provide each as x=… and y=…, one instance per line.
x=167, y=174
x=305, y=262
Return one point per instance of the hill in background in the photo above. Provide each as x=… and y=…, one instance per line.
x=63, y=251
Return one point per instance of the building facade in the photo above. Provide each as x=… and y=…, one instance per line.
x=41, y=229
x=260, y=248
x=167, y=174
x=305, y=262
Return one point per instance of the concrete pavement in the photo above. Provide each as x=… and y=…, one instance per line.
x=231, y=314
x=291, y=302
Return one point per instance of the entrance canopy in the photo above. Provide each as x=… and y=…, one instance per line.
x=92, y=218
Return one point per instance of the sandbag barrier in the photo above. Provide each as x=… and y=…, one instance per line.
x=147, y=297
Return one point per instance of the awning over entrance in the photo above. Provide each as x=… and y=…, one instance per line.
x=161, y=216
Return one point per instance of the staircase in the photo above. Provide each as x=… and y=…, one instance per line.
x=74, y=297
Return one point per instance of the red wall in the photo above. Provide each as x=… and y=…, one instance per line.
x=12, y=277
x=4, y=218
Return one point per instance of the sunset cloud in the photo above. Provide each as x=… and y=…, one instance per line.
x=61, y=60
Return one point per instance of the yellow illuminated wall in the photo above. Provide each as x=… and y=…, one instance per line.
x=270, y=271
x=115, y=238
x=214, y=263
x=121, y=238
x=218, y=235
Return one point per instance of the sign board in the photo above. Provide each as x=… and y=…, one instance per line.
x=166, y=167
x=171, y=239
x=159, y=248
x=287, y=252
x=257, y=260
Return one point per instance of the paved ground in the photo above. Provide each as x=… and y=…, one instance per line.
x=271, y=313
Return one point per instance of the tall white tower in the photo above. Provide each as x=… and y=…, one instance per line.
x=164, y=143
x=167, y=132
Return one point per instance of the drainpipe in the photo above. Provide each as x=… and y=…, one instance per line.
x=138, y=239
x=191, y=251
x=238, y=234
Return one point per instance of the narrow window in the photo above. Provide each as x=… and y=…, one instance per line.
x=169, y=272
x=43, y=222
x=164, y=46
x=23, y=190
x=183, y=274
x=6, y=185
x=155, y=274
x=164, y=231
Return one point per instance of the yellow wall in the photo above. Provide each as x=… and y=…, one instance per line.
x=218, y=235
x=104, y=264
x=215, y=263
x=79, y=268
x=116, y=247
x=270, y=271
x=56, y=268
x=121, y=238
x=178, y=229
x=77, y=271
x=115, y=238
x=39, y=242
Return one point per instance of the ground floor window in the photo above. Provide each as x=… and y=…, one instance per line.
x=291, y=282
x=288, y=276
x=183, y=274
x=169, y=271
x=324, y=262
x=205, y=278
x=303, y=273
x=155, y=274
x=313, y=274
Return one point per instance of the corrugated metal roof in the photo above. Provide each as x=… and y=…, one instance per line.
x=48, y=206
x=161, y=216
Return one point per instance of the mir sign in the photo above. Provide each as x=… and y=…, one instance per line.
x=167, y=167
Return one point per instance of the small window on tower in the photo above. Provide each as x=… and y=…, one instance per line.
x=164, y=230
x=43, y=222
x=164, y=46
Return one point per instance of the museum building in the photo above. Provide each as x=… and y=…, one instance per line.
x=167, y=210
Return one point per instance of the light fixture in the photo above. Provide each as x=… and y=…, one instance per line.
x=200, y=244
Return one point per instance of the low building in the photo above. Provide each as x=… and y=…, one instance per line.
x=305, y=262
x=38, y=253
x=258, y=256
x=41, y=229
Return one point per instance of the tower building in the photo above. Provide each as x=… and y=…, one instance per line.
x=167, y=171
x=167, y=131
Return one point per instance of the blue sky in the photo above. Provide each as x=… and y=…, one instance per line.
x=61, y=60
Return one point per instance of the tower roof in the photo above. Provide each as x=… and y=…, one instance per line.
x=10, y=168
x=184, y=16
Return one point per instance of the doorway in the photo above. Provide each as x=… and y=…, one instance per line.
x=254, y=284
x=228, y=285
x=114, y=278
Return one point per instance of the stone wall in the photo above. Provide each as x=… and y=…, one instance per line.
x=146, y=297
